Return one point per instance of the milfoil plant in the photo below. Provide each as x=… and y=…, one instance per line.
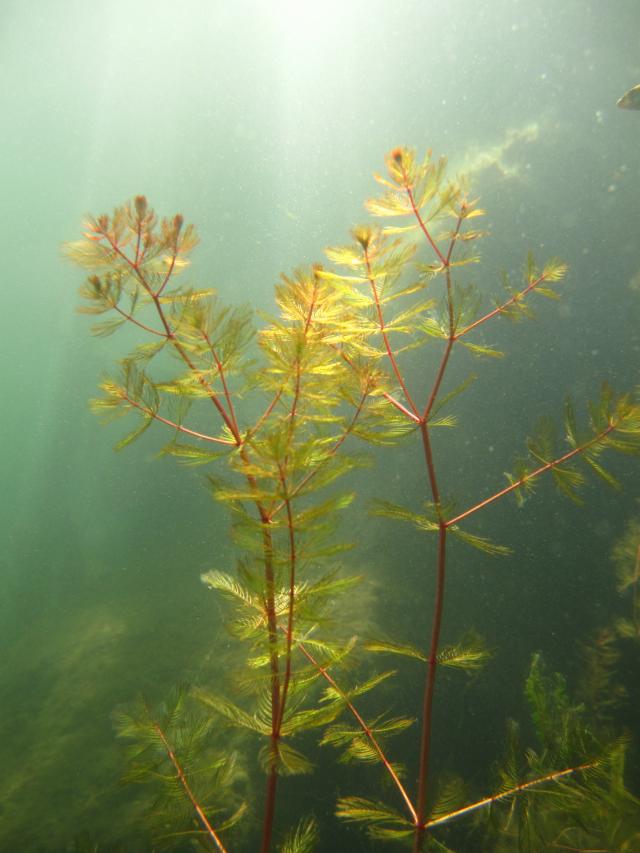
x=284, y=414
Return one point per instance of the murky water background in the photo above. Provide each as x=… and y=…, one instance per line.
x=262, y=122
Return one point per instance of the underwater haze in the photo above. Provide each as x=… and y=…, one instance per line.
x=262, y=123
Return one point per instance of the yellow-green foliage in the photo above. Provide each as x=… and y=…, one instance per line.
x=280, y=407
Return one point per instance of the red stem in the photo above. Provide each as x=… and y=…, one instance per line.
x=169, y=272
x=269, y=809
x=636, y=577
x=263, y=417
x=292, y=589
x=515, y=298
x=272, y=780
x=413, y=417
x=133, y=320
x=201, y=435
x=427, y=704
x=183, y=354
x=365, y=728
x=155, y=296
x=138, y=239
x=438, y=381
x=541, y=470
x=278, y=698
x=385, y=337
x=444, y=261
x=223, y=379
x=230, y=421
x=456, y=231
x=187, y=789
x=287, y=504
x=296, y=489
x=517, y=789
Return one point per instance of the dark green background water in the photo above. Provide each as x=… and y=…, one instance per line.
x=262, y=122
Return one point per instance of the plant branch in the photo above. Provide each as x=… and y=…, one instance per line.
x=151, y=414
x=517, y=297
x=223, y=379
x=292, y=591
x=170, y=334
x=385, y=337
x=187, y=789
x=538, y=471
x=427, y=705
x=330, y=454
x=444, y=261
x=365, y=729
x=133, y=320
x=503, y=795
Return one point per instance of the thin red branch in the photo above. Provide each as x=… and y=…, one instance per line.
x=223, y=379
x=170, y=334
x=138, y=240
x=456, y=232
x=330, y=454
x=263, y=417
x=501, y=308
x=538, y=471
x=365, y=729
x=517, y=789
x=391, y=399
x=133, y=320
x=444, y=261
x=385, y=337
x=150, y=413
x=187, y=789
x=438, y=381
x=298, y=369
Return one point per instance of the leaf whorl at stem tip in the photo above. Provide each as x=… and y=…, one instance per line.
x=140, y=202
x=362, y=234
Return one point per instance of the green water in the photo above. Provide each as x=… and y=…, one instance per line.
x=262, y=122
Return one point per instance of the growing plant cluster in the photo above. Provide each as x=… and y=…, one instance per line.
x=332, y=371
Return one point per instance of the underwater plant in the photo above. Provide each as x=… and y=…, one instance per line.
x=334, y=367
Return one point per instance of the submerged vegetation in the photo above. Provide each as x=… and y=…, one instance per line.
x=333, y=371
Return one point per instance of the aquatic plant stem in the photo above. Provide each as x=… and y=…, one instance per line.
x=280, y=688
x=290, y=614
x=385, y=337
x=193, y=433
x=324, y=672
x=517, y=297
x=330, y=453
x=438, y=605
x=134, y=267
x=272, y=628
x=636, y=597
x=554, y=463
x=225, y=387
x=443, y=260
x=137, y=323
x=231, y=422
x=269, y=809
x=485, y=802
x=427, y=704
x=438, y=381
x=187, y=789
